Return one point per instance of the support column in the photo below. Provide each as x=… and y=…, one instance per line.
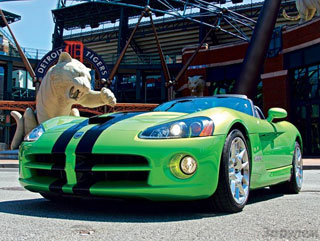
x=163, y=87
x=257, y=50
x=57, y=37
x=123, y=29
x=8, y=82
x=2, y=80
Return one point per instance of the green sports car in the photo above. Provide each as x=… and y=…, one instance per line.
x=214, y=148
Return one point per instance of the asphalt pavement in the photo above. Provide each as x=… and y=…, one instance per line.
x=267, y=216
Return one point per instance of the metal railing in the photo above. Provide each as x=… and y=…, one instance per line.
x=141, y=59
x=34, y=53
x=29, y=52
x=108, y=58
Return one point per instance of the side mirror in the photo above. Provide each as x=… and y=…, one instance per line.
x=276, y=113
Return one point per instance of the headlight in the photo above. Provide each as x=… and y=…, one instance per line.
x=192, y=127
x=34, y=134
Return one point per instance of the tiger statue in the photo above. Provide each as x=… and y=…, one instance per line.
x=196, y=85
x=307, y=9
x=65, y=84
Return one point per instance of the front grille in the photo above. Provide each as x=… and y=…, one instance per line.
x=48, y=166
x=94, y=177
x=105, y=170
x=56, y=159
x=109, y=169
x=51, y=173
x=85, y=162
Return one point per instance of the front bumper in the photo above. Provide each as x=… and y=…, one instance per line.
x=150, y=178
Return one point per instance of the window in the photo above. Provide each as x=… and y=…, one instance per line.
x=306, y=83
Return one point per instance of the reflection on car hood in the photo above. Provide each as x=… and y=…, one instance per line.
x=123, y=121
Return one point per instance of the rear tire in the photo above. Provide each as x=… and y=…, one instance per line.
x=294, y=185
x=234, y=178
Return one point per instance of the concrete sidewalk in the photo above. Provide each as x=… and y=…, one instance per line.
x=308, y=164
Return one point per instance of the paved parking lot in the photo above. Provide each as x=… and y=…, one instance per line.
x=268, y=216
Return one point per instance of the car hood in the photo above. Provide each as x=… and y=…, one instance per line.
x=132, y=121
x=139, y=121
x=110, y=130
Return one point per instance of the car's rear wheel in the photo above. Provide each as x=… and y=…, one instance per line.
x=294, y=185
x=296, y=179
x=234, y=179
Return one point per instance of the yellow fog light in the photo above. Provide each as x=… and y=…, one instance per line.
x=183, y=166
x=188, y=165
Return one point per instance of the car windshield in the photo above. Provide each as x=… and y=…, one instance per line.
x=199, y=104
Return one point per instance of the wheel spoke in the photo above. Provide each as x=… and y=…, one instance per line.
x=241, y=190
x=233, y=151
x=232, y=176
x=238, y=165
x=233, y=187
x=231, y=162
x=242, y=153
x=245, y=181
x=244, y=165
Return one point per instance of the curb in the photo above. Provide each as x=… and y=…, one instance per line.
x=9, y=155
x=311, y=167
x=9, y=165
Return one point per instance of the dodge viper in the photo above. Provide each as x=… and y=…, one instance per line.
x=214, y=148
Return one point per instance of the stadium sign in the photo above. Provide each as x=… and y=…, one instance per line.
x=90, y=56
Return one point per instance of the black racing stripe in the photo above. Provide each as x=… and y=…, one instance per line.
x=90, y=137
x=85, y=146
x=83, y=188
x=63, y=140
x=57, y=185
x=58, y=154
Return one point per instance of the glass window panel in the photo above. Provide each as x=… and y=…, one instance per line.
x=315, y=111
x=314, y=91
x=302, y=72
x=303, y=112
x=313, y=79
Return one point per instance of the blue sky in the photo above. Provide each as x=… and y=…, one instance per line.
x=36, y=26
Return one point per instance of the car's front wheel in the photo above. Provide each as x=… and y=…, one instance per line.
x=234, y=179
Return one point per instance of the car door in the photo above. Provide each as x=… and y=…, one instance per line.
x=274, y=143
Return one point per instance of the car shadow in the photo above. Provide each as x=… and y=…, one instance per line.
x=263, y=194
x=133, y=211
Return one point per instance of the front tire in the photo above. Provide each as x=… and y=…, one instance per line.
x=234, y=179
